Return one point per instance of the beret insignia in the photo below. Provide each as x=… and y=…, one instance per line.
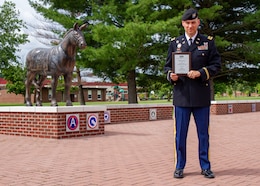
x=210, y=37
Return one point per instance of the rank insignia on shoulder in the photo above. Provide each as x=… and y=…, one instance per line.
x=172, y=39
x=210, y=37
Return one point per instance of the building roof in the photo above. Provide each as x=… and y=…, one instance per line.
x=2, y=82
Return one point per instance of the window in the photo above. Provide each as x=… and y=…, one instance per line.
x=49, y=94
x=89, y=94
x=99, y=95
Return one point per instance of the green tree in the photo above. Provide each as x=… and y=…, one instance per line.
x=235, y=26
x=15, y=80
x=257, y=88
x=10, y=39
x=220, y=88
x=130, y=38
x=10, y=35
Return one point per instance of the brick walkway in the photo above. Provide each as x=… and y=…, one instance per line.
x=134, y=154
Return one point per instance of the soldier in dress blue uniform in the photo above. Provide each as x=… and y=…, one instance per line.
x=191, y=92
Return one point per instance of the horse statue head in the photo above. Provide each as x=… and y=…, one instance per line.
x=75, y=36
x=56, y=61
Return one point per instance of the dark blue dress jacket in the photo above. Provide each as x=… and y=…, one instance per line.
x=204, y=58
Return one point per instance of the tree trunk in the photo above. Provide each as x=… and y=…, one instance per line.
x=212, y=91
x=131, y=83
x=81, y=93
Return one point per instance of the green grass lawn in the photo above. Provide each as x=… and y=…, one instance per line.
x=140, y=102
x=237, y=98
x=96, y=103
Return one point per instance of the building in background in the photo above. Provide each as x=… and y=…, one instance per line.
x=93, y=91
x=6, y=97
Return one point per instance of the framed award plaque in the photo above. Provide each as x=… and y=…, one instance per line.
x=181, y=63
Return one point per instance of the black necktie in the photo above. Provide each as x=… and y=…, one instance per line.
x=190, y=41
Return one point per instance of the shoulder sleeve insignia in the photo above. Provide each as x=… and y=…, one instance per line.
x=210, y=37
x=172, y=39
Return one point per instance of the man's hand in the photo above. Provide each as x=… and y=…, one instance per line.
x=193, y=74
x=174, y=77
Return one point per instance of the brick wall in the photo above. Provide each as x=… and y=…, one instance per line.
x=50, y=122
x=229, y=107
x=10, y=97
x=137, y=113
x=37, y=122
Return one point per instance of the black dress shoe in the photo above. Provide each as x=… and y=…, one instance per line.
x=208, y=173
x=178, y=173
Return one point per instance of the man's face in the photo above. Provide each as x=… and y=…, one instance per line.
x=191, y=26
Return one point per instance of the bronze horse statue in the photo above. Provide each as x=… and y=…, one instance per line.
x=56, y=61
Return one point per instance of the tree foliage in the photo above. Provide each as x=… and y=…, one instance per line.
x=10, y=38
x=10, y=34
x=15, y=80
x=132, y=39
x=129, y=39
x=235, y=25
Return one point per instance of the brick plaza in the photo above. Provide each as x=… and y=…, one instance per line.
x=137, y=153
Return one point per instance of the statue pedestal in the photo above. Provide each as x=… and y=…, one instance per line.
x=52, y=122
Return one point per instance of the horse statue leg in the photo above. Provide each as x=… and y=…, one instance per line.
x=54, y=83
x=38, y=89
x=67, y=79
x=28, y=82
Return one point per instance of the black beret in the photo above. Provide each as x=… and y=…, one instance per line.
x=190, y=14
